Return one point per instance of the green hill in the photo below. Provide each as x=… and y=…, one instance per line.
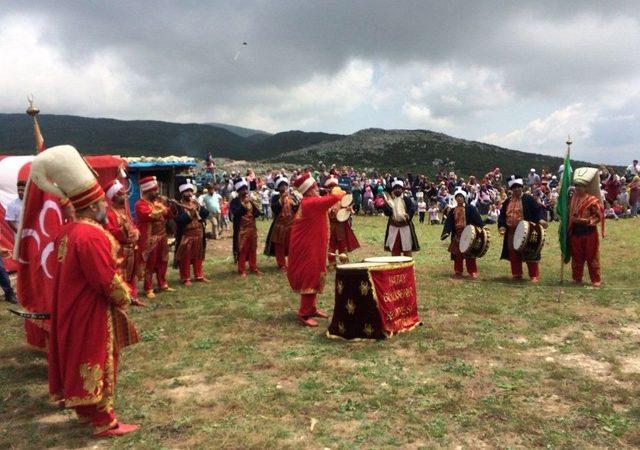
x=420, y=151
x=129, y=138
x=148, y=137
x=240, y=131
x=288, y=141
x=398, y=151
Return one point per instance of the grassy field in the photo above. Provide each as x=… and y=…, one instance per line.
x=496, y=364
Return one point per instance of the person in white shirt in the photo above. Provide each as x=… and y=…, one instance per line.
x=494, y=213
x=265, y=199
x=422, y=209
x=434, y=218
x=211, y=200
x=633, y=168
x=534, y=178
x=14, y=209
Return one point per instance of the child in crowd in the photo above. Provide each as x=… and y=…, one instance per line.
x=224, y=215
x=623, y=201
x=618, y=209
x=609, y=212
x=422, y=208
x=433, y=214
x=494, y=213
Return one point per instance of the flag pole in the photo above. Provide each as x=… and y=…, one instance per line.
x=37, y=134
x=562, y=255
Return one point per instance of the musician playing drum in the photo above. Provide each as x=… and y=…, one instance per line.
x=516, y=208
x=458, y=218
x=400, y=237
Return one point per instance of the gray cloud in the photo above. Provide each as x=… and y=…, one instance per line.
x=175, y=60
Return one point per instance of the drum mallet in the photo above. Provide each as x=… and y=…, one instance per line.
x=342, y=257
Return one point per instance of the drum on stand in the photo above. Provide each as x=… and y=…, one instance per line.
x=528, y=238
x=355, y=314
x=388, y=259
x=374, y=299
x=474, y=241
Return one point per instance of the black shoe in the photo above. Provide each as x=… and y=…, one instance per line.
x=11, y=298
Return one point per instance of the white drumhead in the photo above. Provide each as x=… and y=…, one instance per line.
x=346, y=201
x=520, y=235
x=467, y=237
x=388, y=259
x=355, y=266
x=343, y=215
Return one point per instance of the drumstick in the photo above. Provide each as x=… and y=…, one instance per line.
x=340, y=256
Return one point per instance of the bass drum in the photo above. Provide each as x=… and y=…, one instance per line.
x=474, y=241
x=528, y=238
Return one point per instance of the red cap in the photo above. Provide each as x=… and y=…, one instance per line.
x=148, y=184
x=88, y=196
x=304, y=182
x=112, y=188
x=331, y=182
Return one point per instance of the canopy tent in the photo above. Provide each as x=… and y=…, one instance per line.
x=14, y=168
x=166, y=170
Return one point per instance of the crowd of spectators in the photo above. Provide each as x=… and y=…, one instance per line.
x=433, y=195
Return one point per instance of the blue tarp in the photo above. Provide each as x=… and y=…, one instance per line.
x=148, y=165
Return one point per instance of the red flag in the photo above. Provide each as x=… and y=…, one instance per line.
x=42, y=218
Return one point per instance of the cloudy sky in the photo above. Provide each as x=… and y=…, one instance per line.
x=513, y=73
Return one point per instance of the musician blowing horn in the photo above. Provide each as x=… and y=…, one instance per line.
x=245, y=209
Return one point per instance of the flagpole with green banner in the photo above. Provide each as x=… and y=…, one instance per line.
x=562, y=209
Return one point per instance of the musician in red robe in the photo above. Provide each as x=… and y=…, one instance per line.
x=245, y=232
x=341, y=237
x=190, y=241
x=121, y=226
x=89, y=323
x=585, y=213
x=308, y=247
x=153, y=249
x=284, y=206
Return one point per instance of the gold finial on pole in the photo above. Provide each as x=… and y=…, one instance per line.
x=32, y=110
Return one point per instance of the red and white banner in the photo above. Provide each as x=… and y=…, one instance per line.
x=395, y=293
x=11, y=170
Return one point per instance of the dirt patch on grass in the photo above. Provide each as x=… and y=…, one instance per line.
x=560, y=335
x=632, y=330
x=468, y=441
x=600, y=370
x=188, y=387
x=553, y=405
x=55, y=418
x=630, y=364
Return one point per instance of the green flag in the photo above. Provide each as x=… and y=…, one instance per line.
x=562, y=207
